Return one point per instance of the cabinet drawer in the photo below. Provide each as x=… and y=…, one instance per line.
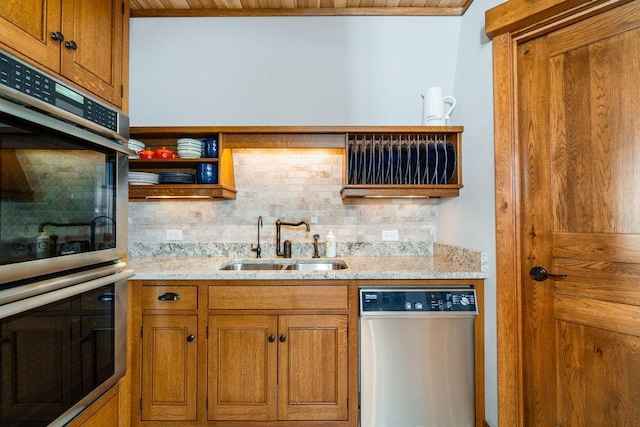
x=169, y=297
x=277, y=297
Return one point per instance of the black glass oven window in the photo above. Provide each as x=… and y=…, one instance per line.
x=55, y=355
x=57, y=195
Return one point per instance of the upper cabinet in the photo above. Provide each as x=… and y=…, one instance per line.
x=379, y=161
x=83, y=41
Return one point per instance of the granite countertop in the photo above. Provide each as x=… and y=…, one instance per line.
x=437, y=266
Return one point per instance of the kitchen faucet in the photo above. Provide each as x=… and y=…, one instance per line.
x=257, y=249
x=287, y=250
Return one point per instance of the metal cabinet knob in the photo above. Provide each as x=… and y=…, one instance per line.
x=71, y=45
x=57, y=36
x=283, y=338
x=169, y=296
x=190, y=338
x=272, y=338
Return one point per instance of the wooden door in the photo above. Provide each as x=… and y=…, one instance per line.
x=579, y=144
x=26, y=27
x=312, y=367
x=95, y=27
x=242, y=357
x=169, y=367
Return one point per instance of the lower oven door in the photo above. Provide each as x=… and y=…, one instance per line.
x=62, y=348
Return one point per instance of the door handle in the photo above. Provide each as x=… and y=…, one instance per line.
x=540, y=274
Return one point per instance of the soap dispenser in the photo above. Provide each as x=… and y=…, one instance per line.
x=331, y=245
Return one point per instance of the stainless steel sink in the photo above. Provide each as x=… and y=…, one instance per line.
x=306, y=266
x=240, y=266
x=318, y=266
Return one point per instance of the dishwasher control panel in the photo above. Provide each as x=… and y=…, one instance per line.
x=418, y=300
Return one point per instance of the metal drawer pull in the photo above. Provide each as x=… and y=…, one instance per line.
x=169, y=296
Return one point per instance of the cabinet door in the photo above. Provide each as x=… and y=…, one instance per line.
x=36, y=368
x=242, y=353
x=169, y=364
x=95, y=27
x=312, y=367
x=26, y=27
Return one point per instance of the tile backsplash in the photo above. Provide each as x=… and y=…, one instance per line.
x=286, y=184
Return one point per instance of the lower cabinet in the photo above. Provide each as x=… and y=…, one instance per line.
x=105, y=412
x=169, y=367
x=238, y=354
x=284, y=367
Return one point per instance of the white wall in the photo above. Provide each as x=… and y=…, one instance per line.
x=469, y=220
x=328, y=71
x=288, y=70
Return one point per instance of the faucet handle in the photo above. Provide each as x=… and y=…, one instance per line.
x=257, y=250
x=315, y=246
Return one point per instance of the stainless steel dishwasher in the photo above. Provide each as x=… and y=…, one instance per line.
x=417, y=357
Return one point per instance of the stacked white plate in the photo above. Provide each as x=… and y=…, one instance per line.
x=143, y=178
x=136, y=146
x=189, y=148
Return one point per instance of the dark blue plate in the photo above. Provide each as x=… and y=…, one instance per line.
x=432, y=162
x=451, y=162
x=442, y=163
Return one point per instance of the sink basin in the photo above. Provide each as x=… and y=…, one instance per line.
x=322, y=266
x=307, y=266
x=239, y=266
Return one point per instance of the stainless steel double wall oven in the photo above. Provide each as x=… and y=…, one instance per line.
x=63, y=239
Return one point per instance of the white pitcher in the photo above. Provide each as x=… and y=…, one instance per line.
x=433, y=111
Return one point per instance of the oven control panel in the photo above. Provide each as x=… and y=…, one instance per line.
x=39, y=87
x=418, y=300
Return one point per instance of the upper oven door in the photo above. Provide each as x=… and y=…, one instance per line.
x=63, y=195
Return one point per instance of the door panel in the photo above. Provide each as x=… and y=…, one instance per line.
x=96, y=28
x=26, y=25
x=579, y=133
x=242, y=371
x=312, y=362
x=169, y=367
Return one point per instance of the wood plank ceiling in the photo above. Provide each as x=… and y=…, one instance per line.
x=184, y=8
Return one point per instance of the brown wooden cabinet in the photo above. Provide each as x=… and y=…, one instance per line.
x=223, y=190
x=272, y=352
x=84, y=41
x=169, y=367
x=104, y=412
x=168, y=356
x=379, y=161
x=277, y=367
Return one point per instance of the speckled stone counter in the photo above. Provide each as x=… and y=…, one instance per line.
x=442, y=262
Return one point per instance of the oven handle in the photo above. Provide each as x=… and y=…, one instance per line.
x=60, y=294
x=32, y=289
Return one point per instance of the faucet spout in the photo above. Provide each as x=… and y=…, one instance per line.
x=279, y=224
x=258, y=249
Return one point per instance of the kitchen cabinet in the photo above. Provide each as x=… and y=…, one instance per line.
x=274, y=352
x=104, y=412
x=276, y=365
x=224, y=190
x=379, y=161
x=83, y=41
x=169, y=354
x=284, y=367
